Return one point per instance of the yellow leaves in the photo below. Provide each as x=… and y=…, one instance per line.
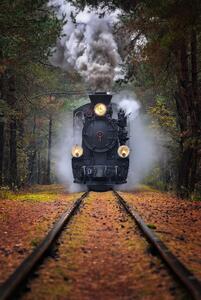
x=5, y=193
x=34, y=197
x=162, y=117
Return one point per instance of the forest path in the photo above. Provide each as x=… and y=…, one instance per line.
x=102, y=255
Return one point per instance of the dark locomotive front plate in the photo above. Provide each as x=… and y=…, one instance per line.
x=100, y=135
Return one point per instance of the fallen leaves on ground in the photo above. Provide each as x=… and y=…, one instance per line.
x=177, y=222
x=101, y=255
x=24, y=221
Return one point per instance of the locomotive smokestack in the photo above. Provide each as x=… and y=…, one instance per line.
x=101, y=97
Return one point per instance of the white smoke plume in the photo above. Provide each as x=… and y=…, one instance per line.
x=87, y=45
x=142, y=141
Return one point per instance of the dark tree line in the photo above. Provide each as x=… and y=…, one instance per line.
x=27, y=31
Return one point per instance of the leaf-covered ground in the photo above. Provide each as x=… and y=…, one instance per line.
x=176, y=221
x=100, y=254
x=24, y=219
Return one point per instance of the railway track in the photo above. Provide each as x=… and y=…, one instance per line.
x=13, y=285
x=185, y=276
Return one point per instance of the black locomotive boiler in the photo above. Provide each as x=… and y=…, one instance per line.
x=101, y=158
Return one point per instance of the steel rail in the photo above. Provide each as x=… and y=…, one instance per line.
x=20, y=275
x=185, y=276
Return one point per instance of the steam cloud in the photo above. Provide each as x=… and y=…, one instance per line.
x=88, y=46
x=62, y=154
x=142, y=141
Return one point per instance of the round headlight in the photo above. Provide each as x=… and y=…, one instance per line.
x=100, y=109
x=77, y=151
x=123, y=151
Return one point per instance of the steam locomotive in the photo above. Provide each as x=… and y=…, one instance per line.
x=101, y=158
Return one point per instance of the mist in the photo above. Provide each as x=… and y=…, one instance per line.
x=67, y=137
x=144, y=152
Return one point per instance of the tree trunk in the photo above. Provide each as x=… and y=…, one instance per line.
x=10, y=97
x=39, y=168
x=195, y=114
x=189, y=118
x=13, y=153
x=2, y=127
x=49, y=152
x=1, y=149
x=32, y=155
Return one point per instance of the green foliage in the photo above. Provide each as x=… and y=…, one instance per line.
x=35, y=242
x=128, y=5
x=151, y=226
x=196, y=197
x=27, y=30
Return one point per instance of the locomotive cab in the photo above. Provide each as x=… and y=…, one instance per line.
x=101, y=159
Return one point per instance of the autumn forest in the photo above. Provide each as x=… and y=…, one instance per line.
x=164, y=73
x=100, y=149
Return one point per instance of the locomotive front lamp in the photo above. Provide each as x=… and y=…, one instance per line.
x=100, y=109
x=77, y=151
x=123, y=151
